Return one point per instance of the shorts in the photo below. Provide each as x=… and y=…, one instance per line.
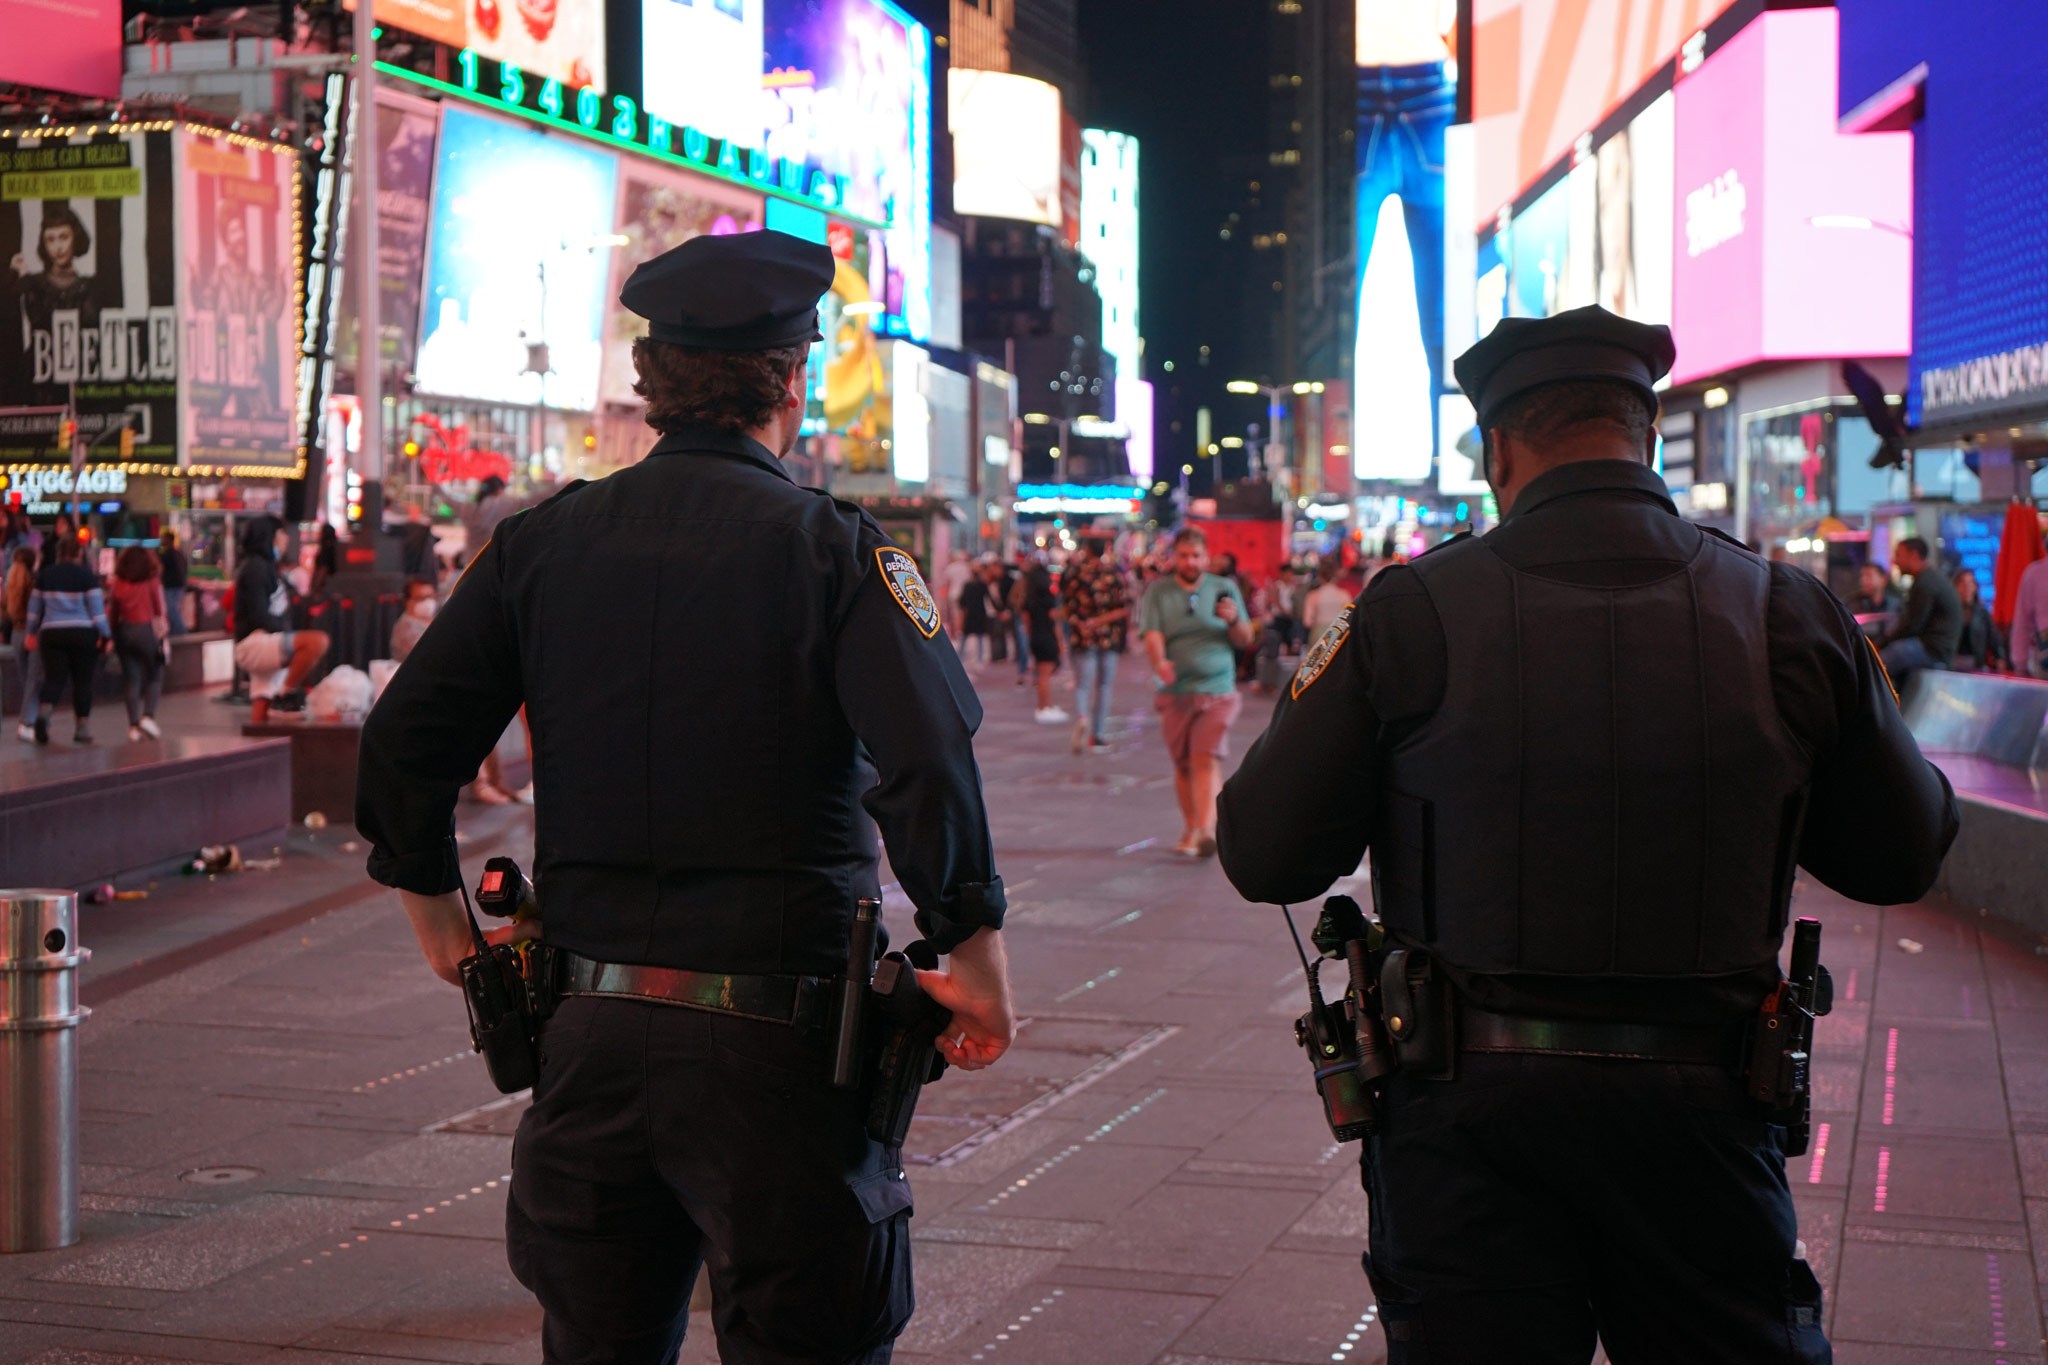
x=264, y=655
x=1196, y=723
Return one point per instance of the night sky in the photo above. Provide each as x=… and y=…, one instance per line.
x=1188, y=80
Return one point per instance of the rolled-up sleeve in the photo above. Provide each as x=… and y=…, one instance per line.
x=909, y=701
x=429, y=733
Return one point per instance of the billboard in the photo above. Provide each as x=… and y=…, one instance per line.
x=238, y=300
x=1961, y=76
x=1109, y=239
x=407, y=129
x=559, y=40
x=1006, y=146
x=701, y=66
x=68, y=45
x=847, y=90
x=1407, y=97
x=1798, y=248
x=658, y=210
x=88, y=298
x=516, y=277
x=1545, y=72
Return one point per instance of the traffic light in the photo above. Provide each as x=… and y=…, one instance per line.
x=67, y=432
x=127, y=443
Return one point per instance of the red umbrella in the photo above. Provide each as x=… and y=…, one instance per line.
x=2018, y=546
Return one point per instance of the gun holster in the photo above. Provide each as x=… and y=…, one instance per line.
x=1421, y=1013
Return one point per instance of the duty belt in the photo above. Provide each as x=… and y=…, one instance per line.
x=1481, y=1031
x=775, y=999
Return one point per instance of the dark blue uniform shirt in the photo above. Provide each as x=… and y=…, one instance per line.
x=721, y=671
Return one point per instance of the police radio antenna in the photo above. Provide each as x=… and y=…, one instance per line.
x=1295, y=934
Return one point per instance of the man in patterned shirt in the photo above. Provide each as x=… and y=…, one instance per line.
x=1097, y=599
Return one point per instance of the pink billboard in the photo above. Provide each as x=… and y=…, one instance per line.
x=1793, y=240
x=68, y=45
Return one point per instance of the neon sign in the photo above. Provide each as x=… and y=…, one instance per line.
x=618, y=120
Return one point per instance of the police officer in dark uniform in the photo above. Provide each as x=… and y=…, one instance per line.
x=1586, y=752
x=722, y=670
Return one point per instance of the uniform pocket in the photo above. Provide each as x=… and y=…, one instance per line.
x=883, y=1195
x=777, y=1052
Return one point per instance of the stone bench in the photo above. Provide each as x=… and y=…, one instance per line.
x=1989, y=734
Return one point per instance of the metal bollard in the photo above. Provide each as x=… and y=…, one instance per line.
x=39, y=1017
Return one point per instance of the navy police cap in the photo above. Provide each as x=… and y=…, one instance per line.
x=1521, y=354
x=750, y=291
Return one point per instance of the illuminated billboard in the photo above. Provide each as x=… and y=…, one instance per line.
x=1407, y=96
x=561, y=40
x=1109, y=238
x=238, y=252
x=1798, y=247
x=659, y=210
x=1546, y=72
x=847, y=89
x=701, y=66
x=68, y=45
x=1006, y=146
x=517, y=265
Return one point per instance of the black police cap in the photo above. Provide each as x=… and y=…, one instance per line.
x=1521, y=354
x=751, y=291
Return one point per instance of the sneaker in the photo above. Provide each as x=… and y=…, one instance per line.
x=42, y=730
x=135, y=734
x=1051, y=715
x=81, y=736
x=289, y=701
x=524, y=796
x=151, y=728
x=25, y=732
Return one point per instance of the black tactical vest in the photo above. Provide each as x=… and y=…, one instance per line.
x=1608, y=788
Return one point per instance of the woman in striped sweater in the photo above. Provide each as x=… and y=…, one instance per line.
x=67, y=622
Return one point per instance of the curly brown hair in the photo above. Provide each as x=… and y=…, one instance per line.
x=729, y=390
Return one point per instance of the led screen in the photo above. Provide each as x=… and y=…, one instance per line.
x=1545, y=72
x=1799, y=246
x=69, y=45
x=559, y=40
x=1109, y=238
x=658, y=210
x=701, y=66
x=1006, y=146
x=1407, y=97
x=517, y=265
x=1980, y=289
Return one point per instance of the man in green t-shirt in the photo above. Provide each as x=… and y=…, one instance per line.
x=1193, y=622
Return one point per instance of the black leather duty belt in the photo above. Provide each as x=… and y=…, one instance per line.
x=774, y=999
x=1716, y=1045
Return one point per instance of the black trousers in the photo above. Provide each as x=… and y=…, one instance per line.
x=1536, y=1202
x=662, y=1138
x=73, y=656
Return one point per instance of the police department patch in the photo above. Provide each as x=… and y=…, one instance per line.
x=1317, y=660
x=899, y=571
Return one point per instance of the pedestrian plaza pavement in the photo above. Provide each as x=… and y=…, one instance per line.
x=290, y=1154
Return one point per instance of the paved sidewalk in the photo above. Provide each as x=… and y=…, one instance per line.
x=291, y=1155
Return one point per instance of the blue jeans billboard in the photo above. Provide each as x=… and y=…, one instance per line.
x=1402, y=114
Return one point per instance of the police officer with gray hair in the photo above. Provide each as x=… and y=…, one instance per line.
x=1585, y=752
x=731, y=682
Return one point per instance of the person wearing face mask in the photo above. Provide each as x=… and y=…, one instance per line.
x=733, y=681
x=420, y=602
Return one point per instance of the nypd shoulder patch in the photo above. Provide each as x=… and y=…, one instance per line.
x=906, y=585
x=1317, y=661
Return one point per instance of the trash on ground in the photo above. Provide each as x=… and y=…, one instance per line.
x=1912, y=945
